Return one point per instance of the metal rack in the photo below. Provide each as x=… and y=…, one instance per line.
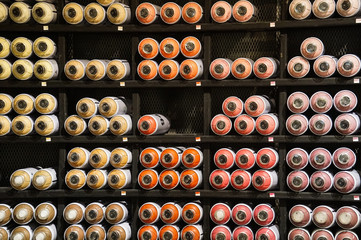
x=274, y=27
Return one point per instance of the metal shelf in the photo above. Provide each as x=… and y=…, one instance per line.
x=163, y=28
x=13, y=83
x=180, y=138
x=8, y=193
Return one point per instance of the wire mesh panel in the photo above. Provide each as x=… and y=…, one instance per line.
x=101, y=46
x=337, y=41
x=183, y=108
x=15, y=156
x=266, y=10
x=245, y=44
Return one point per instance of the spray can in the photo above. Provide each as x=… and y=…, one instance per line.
x=300, y=9
x=170, y=13
x=320, y=124
x=149, y=212
x=241, y=180
x=148, y=179
x=298, y=102
x=300, y=215
x=321, y=181
x=75, y=179
x=298, y=181
x=297, y=124
x=244, y=125
x=192, y=12
x=116, y=213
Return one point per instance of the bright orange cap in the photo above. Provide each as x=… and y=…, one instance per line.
x=170, y=12
x=192, y=12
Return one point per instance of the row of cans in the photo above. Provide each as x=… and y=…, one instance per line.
x=28, y=232
x=24, y=125
x=320, y=158
x=169, y=179
x=171, y=157
x=97, y=69
x=170, y=48
x=344, y=182
x=82, y=158
x=324, y=234
x=96, y=212
x=120, y=231
x=302, y=9
x=25, y=104
x=114, y=11
x=244, y=232
x=24, y=69
x=265, y=124
x=22, y=47
x=195, y=232
x=21, y=12
x=220, y=68
x=261, y=180
x=322, y=102
x=246, y=158
x=321, y=124
x=153, y=124
x=171, y=212
x=39, y=178
x=242, y=214
x=323, y=216
x=99, y=125
x=243, y=68
x=325, y=66
x=23, y=213
x=189, y=69
x=76, y=179
x=254, y=106
x=108, y=107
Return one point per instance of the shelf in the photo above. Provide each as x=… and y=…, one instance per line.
x=183, y=139
x=179, y=83
x=164, y=28
x=8, y=193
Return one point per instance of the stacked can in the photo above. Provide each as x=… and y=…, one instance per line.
x=170, y=13
x=97, y=69
x=322, y=9
x=29, y=222
x=21, y=12
x=178, y=166
x=244, y=68
x=344, y=180
x=109, y=115
x=255, y=106
x=169, y=69
x=242, y=214
x=324, y=219
x=94, y=13
x=39, y=178
x=242, y=11
x=115, y=226
x=321, y=102
x=324, y=66
x=23, y=121
x=100, y=160
x=22, y=48
x=173, y=216
x=244, y=162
